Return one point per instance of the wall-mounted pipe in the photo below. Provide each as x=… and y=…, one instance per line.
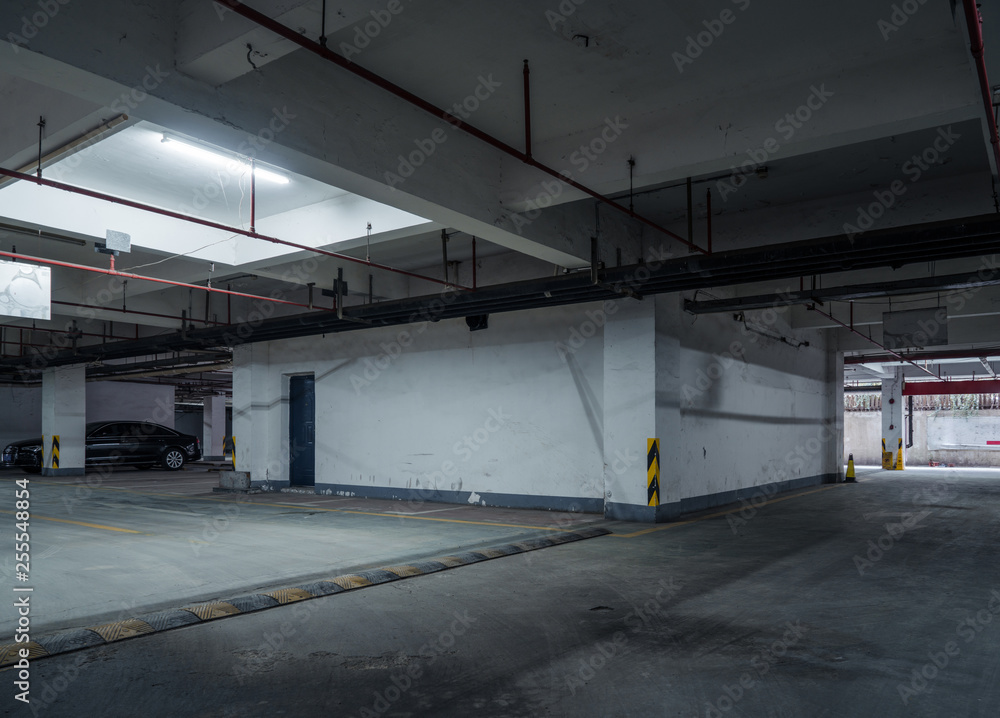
x=975, y=23
x=295, y=36
x=213, y=225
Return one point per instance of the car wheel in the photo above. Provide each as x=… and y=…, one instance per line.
x=173, y=459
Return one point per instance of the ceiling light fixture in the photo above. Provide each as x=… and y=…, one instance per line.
x=219, y=159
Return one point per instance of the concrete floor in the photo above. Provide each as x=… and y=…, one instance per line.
x=126, y=542
x=823, y=604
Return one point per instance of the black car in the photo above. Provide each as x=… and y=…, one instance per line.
x=142, y=444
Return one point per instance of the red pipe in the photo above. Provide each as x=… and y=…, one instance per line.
x=208, y=223
x=880, y=346
x=299, y=39
x=975, y=23
x=132, y=311
x=129, y=275
x=253, y=196
x=527, y=110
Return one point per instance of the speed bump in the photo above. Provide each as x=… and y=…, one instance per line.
x=119, y=630
x=151, y=623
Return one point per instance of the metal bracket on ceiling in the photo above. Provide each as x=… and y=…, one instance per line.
x=595, y=275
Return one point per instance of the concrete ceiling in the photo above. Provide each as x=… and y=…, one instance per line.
x=882, y=90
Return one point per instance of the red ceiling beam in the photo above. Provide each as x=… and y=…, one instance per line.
x=937, y=388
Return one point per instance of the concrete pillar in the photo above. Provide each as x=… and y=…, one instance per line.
x=255, y=429
x=629, y=408
x=213, y=425
x=668, y=402
x=892, y=412
x=64, y=415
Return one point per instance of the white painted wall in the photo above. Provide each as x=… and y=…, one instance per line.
x=753, y=410
x=407, y=420
x=108, y=400
x=497, y=411
x=20, y=413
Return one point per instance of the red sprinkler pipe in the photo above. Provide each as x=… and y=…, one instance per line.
x=214, y=225
x=527, y=109
x=379, y=81
x=975, y=23
x=129, y=275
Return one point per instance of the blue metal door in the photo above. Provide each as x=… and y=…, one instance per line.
x=302, y=431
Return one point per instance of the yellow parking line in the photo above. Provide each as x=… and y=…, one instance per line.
x=314, y=508
x=78, y=523
x=664, y=527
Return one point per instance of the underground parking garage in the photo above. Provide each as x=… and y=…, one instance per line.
x=640, y=361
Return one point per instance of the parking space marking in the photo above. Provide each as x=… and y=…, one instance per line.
x=318, y=508
x=70, y=640
x=79, y=523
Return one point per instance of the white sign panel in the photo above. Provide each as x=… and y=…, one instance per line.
x=25, y=290
x=118, y=241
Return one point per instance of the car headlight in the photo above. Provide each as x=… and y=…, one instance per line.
x=32, y=449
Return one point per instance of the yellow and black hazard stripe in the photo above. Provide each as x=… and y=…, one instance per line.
x=229, y=447
x=146, y=624
x=653, y=471
x=55, y=451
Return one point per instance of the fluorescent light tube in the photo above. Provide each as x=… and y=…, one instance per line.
x=215, y=158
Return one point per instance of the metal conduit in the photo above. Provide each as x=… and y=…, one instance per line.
x=379, y=81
